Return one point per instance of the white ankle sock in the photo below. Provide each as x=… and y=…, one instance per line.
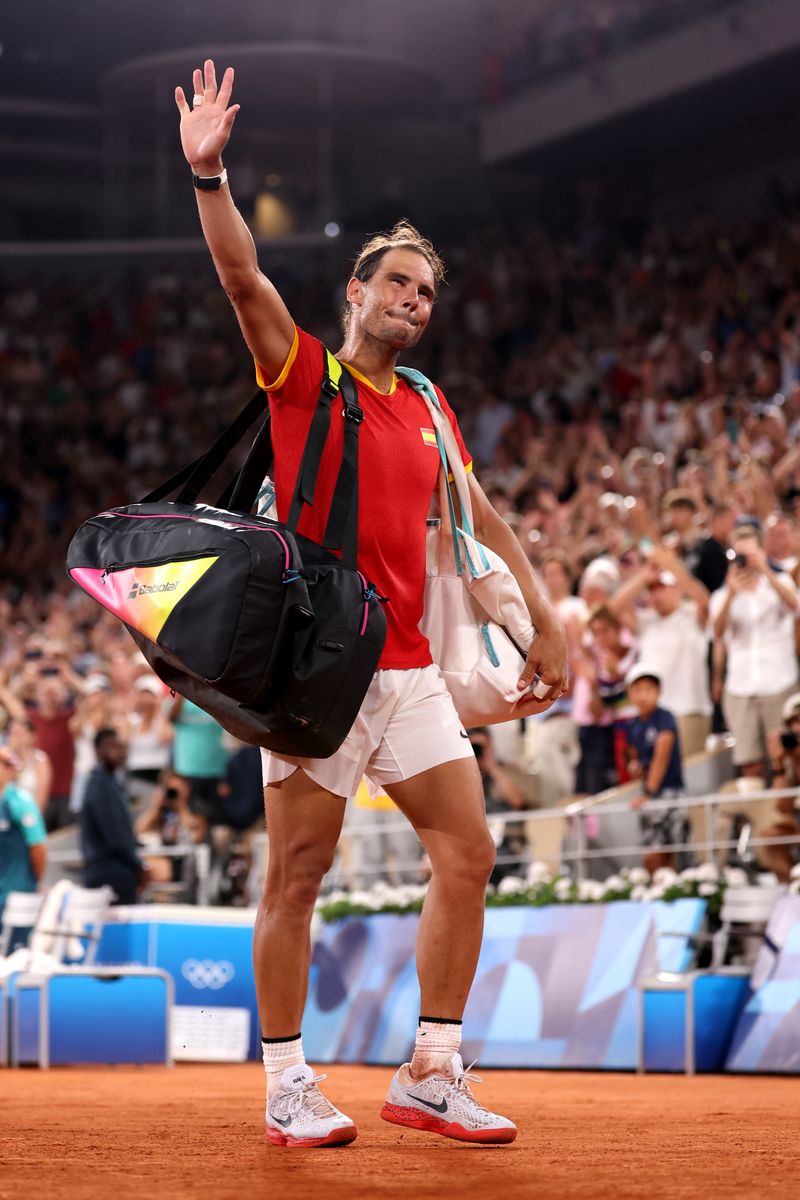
x=436, y=1042
x=280, y=1055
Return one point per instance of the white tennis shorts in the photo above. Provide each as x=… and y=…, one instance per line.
x=406, y=725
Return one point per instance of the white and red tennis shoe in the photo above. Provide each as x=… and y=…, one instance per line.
x=299, y=1115
x=442, y=1103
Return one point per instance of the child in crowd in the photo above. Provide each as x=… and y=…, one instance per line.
x=654, y=757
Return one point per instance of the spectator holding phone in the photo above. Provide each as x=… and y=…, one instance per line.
x=599, y=669
x=667, y=608
x=51, y=716
x=754, y=614
x=501, y=795
x=168, y=821
x=36, y=773
x=149, y=735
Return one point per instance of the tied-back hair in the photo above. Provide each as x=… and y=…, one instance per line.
x=402, y=236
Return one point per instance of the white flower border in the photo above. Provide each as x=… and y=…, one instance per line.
x=540, y=887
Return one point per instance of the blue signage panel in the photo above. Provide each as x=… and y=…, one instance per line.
x=767, y=1037
x=555, y=987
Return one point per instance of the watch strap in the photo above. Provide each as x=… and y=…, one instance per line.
x=210, y=183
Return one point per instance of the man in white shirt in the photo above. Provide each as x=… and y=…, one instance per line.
x=667, y=608
x=754, y=614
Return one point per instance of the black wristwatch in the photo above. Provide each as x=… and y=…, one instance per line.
x=209, y=183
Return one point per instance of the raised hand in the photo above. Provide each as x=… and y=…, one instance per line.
x=206, y=126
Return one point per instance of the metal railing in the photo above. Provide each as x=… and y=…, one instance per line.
x=200, y=852
x=575, y=850
x=582, y=853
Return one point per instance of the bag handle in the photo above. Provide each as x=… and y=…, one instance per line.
x=194, y=477
x=242, y=492
x=240, y=495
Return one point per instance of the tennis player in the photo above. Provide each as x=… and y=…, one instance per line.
x=407, y=737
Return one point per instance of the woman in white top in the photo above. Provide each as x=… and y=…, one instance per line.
x=37, y=770
x=149, y=736
x=96, y=709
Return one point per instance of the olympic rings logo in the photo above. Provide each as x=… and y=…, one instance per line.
x=206, y=973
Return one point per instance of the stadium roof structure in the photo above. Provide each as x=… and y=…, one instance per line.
x=290, y=80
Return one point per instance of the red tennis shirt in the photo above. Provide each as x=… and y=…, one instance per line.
x=398, y=468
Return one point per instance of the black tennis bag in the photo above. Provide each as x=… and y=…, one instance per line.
x=273, y=635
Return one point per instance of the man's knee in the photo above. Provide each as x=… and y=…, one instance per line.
x=295, y=874
x=468, y=868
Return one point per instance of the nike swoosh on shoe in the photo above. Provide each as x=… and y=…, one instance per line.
x=440, y=1108
x=285, y=1123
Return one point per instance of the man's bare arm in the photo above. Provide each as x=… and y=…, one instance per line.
x=548, y=654
x=264, y=318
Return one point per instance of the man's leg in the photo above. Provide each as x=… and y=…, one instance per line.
x=303, y=821
x=445, y=805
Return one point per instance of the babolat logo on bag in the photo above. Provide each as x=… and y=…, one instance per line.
x=150, y=589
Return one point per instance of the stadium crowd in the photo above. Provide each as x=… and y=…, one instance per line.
x=631, y=395
x=544, y=38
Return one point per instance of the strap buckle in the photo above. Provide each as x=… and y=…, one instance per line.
x=352, y=412
x=330, y=388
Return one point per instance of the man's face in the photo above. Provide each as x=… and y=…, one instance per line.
x=722, y=525
x=113, y=753
x=680, y=517
x=664, y=597
x=395, y=305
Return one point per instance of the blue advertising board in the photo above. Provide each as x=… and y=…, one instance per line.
x=555, y=987
x=767, y=1037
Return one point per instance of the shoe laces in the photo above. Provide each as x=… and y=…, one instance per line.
x=309, y=1095
x=463, y=1081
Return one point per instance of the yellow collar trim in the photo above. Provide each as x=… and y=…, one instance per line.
x=369, y=382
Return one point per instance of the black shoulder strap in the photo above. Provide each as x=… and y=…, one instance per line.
x=342, y=527
x=240, y=494
x=306, y=482
x=193, y=479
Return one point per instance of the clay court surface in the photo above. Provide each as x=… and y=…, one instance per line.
x=196, y=1131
